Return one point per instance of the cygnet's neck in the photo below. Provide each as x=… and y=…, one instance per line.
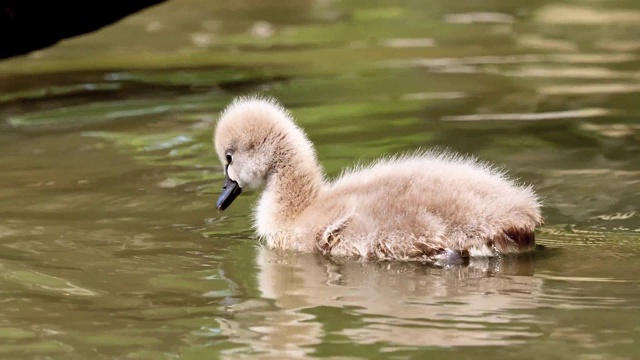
x=292, y=185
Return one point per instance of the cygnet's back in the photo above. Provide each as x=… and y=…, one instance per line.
x=430, y=206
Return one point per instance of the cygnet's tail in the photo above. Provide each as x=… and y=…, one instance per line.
x=514, y=240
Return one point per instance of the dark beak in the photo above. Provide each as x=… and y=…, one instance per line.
x=230, y=192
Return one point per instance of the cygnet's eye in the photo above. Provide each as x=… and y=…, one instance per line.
x=229, y=158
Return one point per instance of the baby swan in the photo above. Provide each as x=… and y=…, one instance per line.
x=425, y=207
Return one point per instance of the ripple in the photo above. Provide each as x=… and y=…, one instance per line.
x=407, y=42
x=37, y=280
x=583, y=279
x=479, y=17
x=551, y=115
x=557, y=14
x=585, y=89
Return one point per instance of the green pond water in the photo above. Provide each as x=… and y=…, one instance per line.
x=111, y=247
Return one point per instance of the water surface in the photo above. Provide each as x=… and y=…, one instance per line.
x=111, y=246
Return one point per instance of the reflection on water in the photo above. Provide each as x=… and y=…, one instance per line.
x=111, y=246
x=396, y=304
x=309, y=302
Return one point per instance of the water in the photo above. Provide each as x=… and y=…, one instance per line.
x=111, y=246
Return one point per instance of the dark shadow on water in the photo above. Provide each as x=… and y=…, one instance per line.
x=27, y=27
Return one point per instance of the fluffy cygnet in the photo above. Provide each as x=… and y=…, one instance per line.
x=425, y=207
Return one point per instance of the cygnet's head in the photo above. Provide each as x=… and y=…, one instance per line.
x=250, y=138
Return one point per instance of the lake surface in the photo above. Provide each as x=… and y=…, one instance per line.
x=111, y=247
